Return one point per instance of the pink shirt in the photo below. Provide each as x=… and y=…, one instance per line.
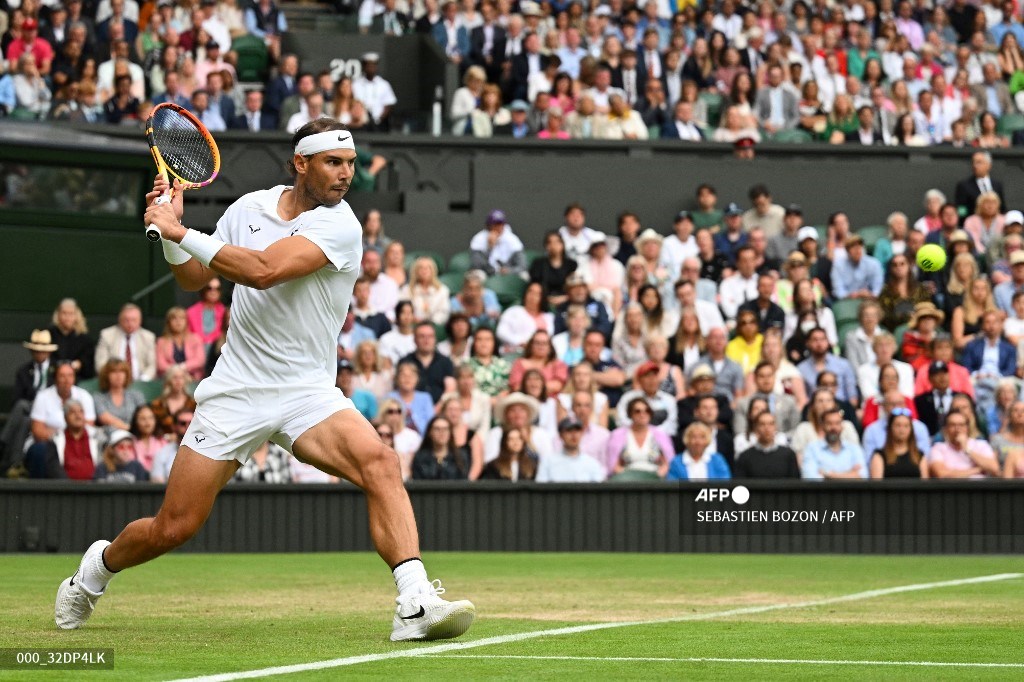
x=957, y=460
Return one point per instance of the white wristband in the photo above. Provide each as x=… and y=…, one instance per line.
x=202, y=246
x=173, y=253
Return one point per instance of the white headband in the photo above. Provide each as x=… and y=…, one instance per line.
x=326, y=141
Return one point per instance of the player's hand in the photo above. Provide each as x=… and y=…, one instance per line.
x=160, y=185
x=164, y=218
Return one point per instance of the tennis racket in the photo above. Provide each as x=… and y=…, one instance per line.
x=182, y=147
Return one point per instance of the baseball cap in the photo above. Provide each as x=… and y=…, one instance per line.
x=682, y=215
x=1014, y=217
x=937, y=366
x=649, y=367
x=807, y=232
x=794, y=209
x=496, y=216
x=118, y=435
x=959, y=236
x=1017, y=257
x=519, y=105
x=733, y=209
x=702, y=371
x=570, y=424
x=371, y=57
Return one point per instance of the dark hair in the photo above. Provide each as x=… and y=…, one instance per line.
x=528, y=348
x=626, y=214
x=401, y=305
x=425, y=323
x=655, y=316
x=527, y=460
x=745, y=247
x=889, y=449
x=320, y=125
x=574, y=206
x=705, y=186
x=833, y=410
x=634, y=402
x=157, y=431
x=543, y=384
x=494, y=337
x=449, y=326
x=428, y=441
x=761, y=365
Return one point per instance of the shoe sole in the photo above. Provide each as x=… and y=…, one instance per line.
x=454, y=624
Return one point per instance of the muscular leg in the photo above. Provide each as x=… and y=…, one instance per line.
x=346, y=445
x=192, y=488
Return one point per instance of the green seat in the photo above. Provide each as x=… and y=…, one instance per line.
x=253, y=59
x=792, y=137
x=150, y=390
x=460, y=262
x=91, y=385
x=714, y=103
x=900, y=331
x=822, y=235
x=1010, y=123
x=452, y=280
x=532, y=255
x=439, y=330
x=845, y=328
x=871, y=234
x=845, y=310
x=509, y=288
x=411, y=256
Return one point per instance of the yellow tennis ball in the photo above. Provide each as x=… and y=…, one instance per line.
x=931, y=258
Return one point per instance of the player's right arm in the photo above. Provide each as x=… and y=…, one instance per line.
x=190, y=275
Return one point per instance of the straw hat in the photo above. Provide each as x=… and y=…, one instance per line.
x=40, y=341
x=517, y=398
x=925, y=309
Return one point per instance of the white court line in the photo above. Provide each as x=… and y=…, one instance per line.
x=520, y=636
x=783, y=661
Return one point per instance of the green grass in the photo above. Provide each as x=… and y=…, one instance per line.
x=188, y=615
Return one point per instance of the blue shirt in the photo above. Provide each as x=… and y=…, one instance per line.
x=419, y=413
x=818, y=457
x=843, y=370
x=365, y=403
x=1004, y=295
x=718, y=468
x=874, y=438
x=848, y=277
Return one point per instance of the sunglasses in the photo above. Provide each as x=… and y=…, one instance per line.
x=393, y=410
x=899, y=412
x=385, y=434
x=642, y=412
x=183, y=422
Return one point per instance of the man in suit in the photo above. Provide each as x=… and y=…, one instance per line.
x=219, y=102
x=787, y=414
x=254, y=118
x=37, y=374
x=128, y=341
x=451, y=34
x=653, y=108
x=769, y=314
x=284, y=85
x=776, y=106
x=648, y=57
x=431, y=17
x=989, y=358
x=752, y=56
x=682, y=126
x=305, y=86
x=933, y=406
x=866, y=133
x=525, y=64
x=992, y=93
x=487, y=43
x=390, y=22
x=969, y=189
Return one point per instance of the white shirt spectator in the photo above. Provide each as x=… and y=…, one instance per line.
x=541, y=440
x=384, y=296
x=396, y=345
x=508, y=245
x=867, y=379
x=49, y=408
x=516, y=326
x=736, y=290
x=708, y=315
x=376, y=94
x=578, y=246
x=562, y=468
x=674, y=252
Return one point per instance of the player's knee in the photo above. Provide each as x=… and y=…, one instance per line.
x=173, y=533
x=381, y=466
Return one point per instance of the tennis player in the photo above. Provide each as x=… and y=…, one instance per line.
x=295, y=252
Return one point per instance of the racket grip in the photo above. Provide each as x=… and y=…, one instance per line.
x=152, y=233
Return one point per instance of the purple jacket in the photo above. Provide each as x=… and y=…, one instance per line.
x=617, y=443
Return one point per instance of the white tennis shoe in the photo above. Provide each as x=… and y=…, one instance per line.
x=75, y=603
x=427, y=616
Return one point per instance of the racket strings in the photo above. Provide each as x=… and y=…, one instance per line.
x=183, y=147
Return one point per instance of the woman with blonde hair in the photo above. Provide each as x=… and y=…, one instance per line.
x=687, y=343
x=934, y=200
x=394, y=263
x=431, y=300
x=489, y=113
x=978, y=300
x=581, y=378
x=71, y=334
x=636, y=277
x=369, y=373
x=117, y=401
x=986, y=225
x=466, y=98
x=628, y=339
x=404, y=440
x=173, y=398
x=180, y=346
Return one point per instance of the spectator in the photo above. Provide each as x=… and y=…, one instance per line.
x=269, y=463
x=497, y=250
x=822, y=400
x=148, y=438
x=264, y=19
x=312, y=109
x=787, y=377
x=894, y=402
x=119, y=464
x=213, y=63
x=1005, y=292
x=780, y=404
x=775, y=105
x=516, y=460
x=468, y=426
x=639, y=447
x=517, y=411
x=172, y=92
x=519, y=323
x=920, y=333
x=578, y=293
x=32, y=96
x=663, y=405
x=969, y=189
x=479, y=304
x=934, y=406
x=858, y=343
x=36, y=374
x=129, y=341
x=858, y=275
x=164, y=459
x=941, y=349
x=431, y=300
x=459, y=343
x=728, y=374
x=695, y=463
x=745, y=348
x=728, y=241
x=901, y=293
x=764, y=214
x=73, y=452
x=1008, y=443
x=172, y=399
x=831, y=457
x=960, y=456
x=451, y=34
x=369, y=373
x=985, y=226
x=539, y=354
x=206, y=316
x=439, y=458
x=1007, y=391
x=576, y=236
x=363, y=400
x=392, y=416
x=490, y=370
x=900, y=456
x=552, y=270
x=29, y=45
x=767, y=314
x=254, y=118
x=884, y=349
x=766, y=458
x=399, y=342
x=436, y=372
x=418, y=404
x=570, y=464
x=284, y=85
x=367, y=316
x=988, y=358
x=69, y=332
x=708, y=314
x=670, y=376
x=376, y=93
x=820, y=359
x=122, y=106
x=629, y=337
x=967, y=317
x=373, y=232
x=740, y=286
x=569, y=344
x=533, y=386
x=683, y=125
x=220, y=102
x=735, y=127
x=116, y=402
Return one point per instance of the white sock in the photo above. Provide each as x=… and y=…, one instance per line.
x=411, y=578
x=96, y=574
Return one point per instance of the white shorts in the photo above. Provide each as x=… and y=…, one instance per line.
x=232, y=423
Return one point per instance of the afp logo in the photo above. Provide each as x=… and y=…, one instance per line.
x=740, y=495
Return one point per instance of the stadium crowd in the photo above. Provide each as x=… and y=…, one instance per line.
x=739, y=343
x=894, y=72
